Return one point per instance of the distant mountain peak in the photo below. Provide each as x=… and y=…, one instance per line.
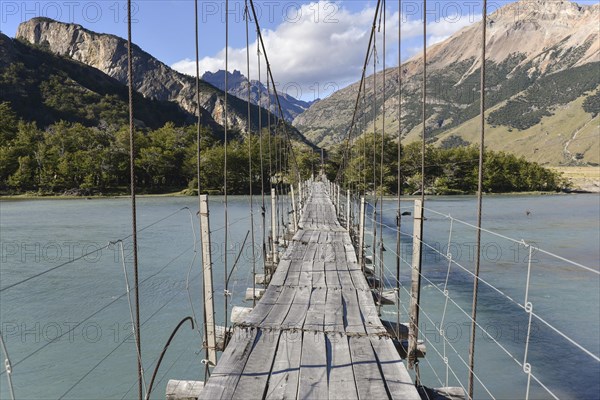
x=238, y=86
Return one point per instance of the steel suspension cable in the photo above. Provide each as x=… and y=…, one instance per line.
x=198, y=159
x=132, y=154
x=226, y=214
x=270, y=75
x=362, y=85
x=417, y=296
x=262, y=168
x=399, y=169
x=381, y=282
x=250, y=176
x=479, y=200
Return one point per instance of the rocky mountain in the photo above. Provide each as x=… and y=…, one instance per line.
x=542, y=87
x=46, y=88
x=238, y=86
x=152, y=78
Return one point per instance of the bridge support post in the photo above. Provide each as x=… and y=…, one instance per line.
x=209, y=306
x=274, y=233
x=294, y=213
x=337, y=202
x=361, y=234
x=348, y=214
x=300, y=197
x=415, y=292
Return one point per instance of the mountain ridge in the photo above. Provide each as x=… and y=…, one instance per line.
x=45, y=88
x=152, y=78
x=238, y=86
x=556, y=42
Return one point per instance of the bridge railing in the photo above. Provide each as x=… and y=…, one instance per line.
x=524, y=316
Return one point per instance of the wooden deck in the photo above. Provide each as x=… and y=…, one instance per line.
x=315, y=333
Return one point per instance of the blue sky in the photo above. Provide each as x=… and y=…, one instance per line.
x=314, y=47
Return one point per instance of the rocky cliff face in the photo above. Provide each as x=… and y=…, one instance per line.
x=541, y=56
x=152, y=78
x=238, y=86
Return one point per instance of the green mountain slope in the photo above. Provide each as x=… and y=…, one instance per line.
x=538, y=65
x=46, y=88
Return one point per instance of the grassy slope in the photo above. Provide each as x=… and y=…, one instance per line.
x=544, y=142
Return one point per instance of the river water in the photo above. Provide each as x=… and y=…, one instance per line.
x=68, y=331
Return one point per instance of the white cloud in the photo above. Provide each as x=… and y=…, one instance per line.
x=319, y=55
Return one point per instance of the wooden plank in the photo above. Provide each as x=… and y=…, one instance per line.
x=297, y=314
x=305, y=279
x=255, y=293
x=226, y=374
x=183, y=390
x=318, y=274
x=283, y=383
x=331, y=275
x=345, y=277
x=254, y=378
x=263, y=307
x=341, y=374
x=334, y=311
x=313, y=367
x=281, y=272
x=369, y=313
x=397, y=379
x=315, y=316
x=358, y=278
x=353, y=320
x=280, y=309
x=368, y=379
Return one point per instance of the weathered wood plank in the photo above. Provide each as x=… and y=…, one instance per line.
x=313, y=367
x=263, y=307
x=368, y=379
x=315, y=316
x=331, y=275
x=334, y=311
x=305, y=278
x=281, y=272
x=280, y=309
x=341, y=375
x=369, y=313
x=353, y=321
x=283, y=383
x=297, y=314
x=253, y=380
x=394, y=372
x=318, y=274
x=226, y=374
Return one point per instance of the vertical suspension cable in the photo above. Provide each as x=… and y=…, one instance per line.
x=250, y=176
x=226, y=242
x=374, y=151
x=269, y=129
x=262, y=169
x=270, y=156
x=399, y=170
x=479, y=201
x=421, y=216
x=132, y=154
x=381, y=264
x=374, y=147
x=198, y=147
x=364, y=129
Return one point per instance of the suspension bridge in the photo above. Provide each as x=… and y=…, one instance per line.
x=316, y=332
